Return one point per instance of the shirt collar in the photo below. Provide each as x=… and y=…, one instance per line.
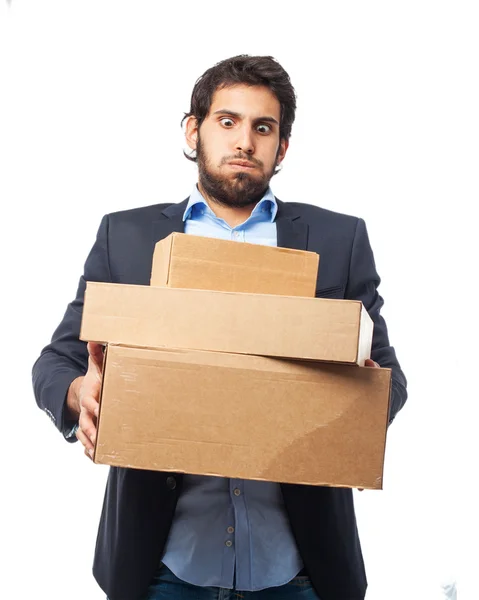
x=267, y=204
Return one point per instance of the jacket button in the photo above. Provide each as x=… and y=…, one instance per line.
x=170, y=482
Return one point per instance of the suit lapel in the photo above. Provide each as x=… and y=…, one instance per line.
x=292, y=233
x=171, y=221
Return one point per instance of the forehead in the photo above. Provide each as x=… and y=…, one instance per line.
x=251, y=101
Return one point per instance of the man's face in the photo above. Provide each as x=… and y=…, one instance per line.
x=238, y=145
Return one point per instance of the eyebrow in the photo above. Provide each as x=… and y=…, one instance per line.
x=240, y=116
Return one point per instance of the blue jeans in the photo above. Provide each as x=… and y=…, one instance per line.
x=166, y=585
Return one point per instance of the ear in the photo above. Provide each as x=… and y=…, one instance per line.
x=283, y=147
x=191, y=132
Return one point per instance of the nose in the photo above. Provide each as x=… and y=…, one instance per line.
x=245, y=141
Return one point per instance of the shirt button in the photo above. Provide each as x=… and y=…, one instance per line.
x=170, y=483
x=230, y=530
x=229, y=543
x=236, y=234
x=236, y=492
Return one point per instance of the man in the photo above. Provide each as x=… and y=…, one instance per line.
x=199, y=537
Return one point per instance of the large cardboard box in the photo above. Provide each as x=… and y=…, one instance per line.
x=261, y=324
x=241, y=416
x=197, y=262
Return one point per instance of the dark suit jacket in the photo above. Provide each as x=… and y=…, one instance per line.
x=139, y=505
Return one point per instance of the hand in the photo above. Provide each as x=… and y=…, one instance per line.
x=88, y=397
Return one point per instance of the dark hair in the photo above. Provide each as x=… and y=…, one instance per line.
x=249, y=70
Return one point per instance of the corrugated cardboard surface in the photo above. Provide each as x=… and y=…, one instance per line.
x=268, y=325
x=197, y=262
x=243, y=416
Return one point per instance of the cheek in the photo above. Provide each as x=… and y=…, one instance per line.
x=270, y=161
x=271, y=150
x=218, y=148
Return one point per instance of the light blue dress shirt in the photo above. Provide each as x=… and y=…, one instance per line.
x=232, y=533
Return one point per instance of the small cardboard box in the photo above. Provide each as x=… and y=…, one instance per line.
x=260, y=324
x=197, y=262
x=245, y=417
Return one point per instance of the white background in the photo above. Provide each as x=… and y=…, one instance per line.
x=91, y=97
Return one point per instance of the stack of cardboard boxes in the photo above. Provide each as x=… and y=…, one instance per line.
x=228, y=365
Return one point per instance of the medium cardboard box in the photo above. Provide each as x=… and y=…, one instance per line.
x=197, y=262
x=247, y=417
x=260, y=324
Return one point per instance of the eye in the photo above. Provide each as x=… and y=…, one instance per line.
x=227, y=122
x=263, y=128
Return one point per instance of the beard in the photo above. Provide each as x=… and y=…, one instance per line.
x=239, y=191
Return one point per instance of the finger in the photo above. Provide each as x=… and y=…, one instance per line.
x=361, y=489
x=90, y=456
x=90, y=404
x=82, y=438
x=91, y=386
x=95, y=353
x=370, y=363
x=88, y=425
x=94, y=373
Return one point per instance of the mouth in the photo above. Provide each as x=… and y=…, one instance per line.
x=242, y=164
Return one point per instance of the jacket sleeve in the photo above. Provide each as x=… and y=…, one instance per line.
x=363, y=282
x=66, y=357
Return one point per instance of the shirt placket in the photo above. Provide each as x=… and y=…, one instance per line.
x=241, y=533
x=229, y=550
x=238, y=235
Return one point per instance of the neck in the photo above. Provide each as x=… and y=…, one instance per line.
x=232, y=215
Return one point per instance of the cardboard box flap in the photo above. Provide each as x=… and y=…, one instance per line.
x=161, y=261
